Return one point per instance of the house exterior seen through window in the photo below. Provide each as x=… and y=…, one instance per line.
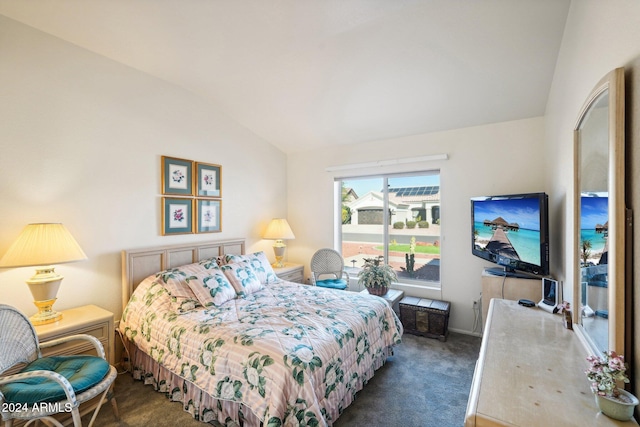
x=394, y=216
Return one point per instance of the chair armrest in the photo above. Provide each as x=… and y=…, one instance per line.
x=84, y=337
x=345, y=274
x=64, y=383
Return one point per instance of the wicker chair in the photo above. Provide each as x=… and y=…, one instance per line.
x=327, y=270
x=47, y=385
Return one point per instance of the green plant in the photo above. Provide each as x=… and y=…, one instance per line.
x=423, y=224
x=399, y=225
x=410, y=258
x=411, y=224
x=376, y=274
x=346, y=215
x=585, y=251
x=410, y=262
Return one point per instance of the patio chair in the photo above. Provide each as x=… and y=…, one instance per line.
x=327, y=270
x=47, y=386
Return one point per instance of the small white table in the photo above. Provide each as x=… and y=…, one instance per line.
x=393, y=297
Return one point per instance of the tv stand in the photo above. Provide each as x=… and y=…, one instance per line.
x=508, y=287
x=500, y=271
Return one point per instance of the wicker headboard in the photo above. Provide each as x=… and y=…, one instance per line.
x=137, y=264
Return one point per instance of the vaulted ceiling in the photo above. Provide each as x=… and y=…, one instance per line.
x=304, y=74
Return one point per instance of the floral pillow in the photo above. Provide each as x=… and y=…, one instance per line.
x=243, y=278
x=212, y=287
x=260, y=264
x=210, y=262
x=201, y=282
x=182, y=297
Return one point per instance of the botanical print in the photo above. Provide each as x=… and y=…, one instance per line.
x=253, y=371
x=209, y=216
x=208, y=180
x=178, y=177
x=177, y=216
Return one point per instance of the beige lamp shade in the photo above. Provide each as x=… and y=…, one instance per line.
x=42, y=245
x=279, y=230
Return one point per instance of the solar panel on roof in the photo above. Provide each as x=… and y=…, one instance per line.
x=415, y=191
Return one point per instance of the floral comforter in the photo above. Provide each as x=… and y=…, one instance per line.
x=292, y=354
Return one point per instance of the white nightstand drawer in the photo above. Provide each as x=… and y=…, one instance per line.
x=291, y=272
x=90, y=320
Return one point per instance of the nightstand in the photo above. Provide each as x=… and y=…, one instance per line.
x=393, y=297
x=90, y=320
x=290, y=272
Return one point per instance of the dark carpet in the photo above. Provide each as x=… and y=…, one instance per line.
x=426, y=383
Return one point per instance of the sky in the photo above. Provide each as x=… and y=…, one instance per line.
x=364, y=185
x=593, y=210
x=525, y=212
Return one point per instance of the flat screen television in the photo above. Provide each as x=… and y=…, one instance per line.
x=513, y=232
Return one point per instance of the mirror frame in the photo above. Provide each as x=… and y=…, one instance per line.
x=616, y=270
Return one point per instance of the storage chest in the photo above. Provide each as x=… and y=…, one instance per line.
x=425, y=317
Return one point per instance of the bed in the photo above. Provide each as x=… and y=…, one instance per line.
x=244, y=347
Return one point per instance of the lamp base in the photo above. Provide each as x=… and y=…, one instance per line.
x=278, y=251
x=46, y=313
x=278, y=263
x=44, y=287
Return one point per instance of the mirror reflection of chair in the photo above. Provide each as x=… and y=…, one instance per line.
x=48, y=386
x=327, y=270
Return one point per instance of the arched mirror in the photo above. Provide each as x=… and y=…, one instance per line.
x=600, y=217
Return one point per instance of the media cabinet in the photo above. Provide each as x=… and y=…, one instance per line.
x=511, y=288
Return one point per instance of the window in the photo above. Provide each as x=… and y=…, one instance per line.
x=394, y=216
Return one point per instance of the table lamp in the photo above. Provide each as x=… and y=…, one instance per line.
x=40, y=245
x=279, y=230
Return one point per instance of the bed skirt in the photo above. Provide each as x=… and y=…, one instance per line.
x=203, y=407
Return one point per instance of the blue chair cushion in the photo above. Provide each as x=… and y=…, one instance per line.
x=83, y=372
x=332, y=283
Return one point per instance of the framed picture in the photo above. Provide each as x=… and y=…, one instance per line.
x=177, y=216
x=177, y=176
x=208, y=180
x=208, y=216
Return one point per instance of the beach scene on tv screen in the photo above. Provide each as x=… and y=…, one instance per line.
x=508, y=227
x=594, y=227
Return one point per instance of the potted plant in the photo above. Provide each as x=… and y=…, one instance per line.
x=376, y=276
x=605, y=373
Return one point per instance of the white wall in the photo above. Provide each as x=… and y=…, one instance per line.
x=502, y=158
x=599, y=36
x=80, y=143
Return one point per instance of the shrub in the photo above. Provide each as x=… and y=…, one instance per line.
x=411, y=224
x=398, y=225
x=423, y=224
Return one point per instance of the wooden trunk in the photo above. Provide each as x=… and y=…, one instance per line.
x=425, y=317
